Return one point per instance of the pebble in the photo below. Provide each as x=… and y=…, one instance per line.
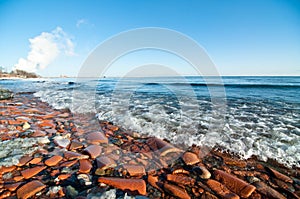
x=279, y=175
x=190, y=158
x=26, y=126
x=96, y=138
x=133, y=185
x=235, y=184
x=28, y=173
x=93, y=150
x=85, y=166
x=268, y=191
x=30, y=189
x=135, y=170
x=180, y=179
x=176, y=191
x=53, y=161
x=221, y=190
x=70, y=155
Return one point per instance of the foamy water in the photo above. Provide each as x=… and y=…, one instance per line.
x=261, y=113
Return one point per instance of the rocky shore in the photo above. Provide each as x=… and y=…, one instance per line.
x=48, y=153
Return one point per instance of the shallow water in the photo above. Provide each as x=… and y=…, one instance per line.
x=255, y=116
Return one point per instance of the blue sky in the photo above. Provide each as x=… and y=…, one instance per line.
x=242, y=37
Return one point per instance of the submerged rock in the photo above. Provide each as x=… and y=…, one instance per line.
x=5, y=94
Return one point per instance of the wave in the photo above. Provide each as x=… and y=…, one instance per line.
x=293, y=86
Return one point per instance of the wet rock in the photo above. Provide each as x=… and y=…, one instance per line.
x=26, y=126
x=28, y=173
x=279, y=175
x=268, y=191
x=85, y=166
x=135, y=170
x=84, y=179
x=12, y=187
x=38, y=134
x=71, y=192
x=5, y=94
x=135, y=186
x=176, y=191
x=68, y=163
x=190, y=158
x=208, y=195
x=36, y=160
x=104, y=162
x=53, y=161
x=180, y=179
x=30, y=189
x=24, y=160
x=202, y=172
x=153, y=181
x=235, y=184
x=164, y=147
x=93, y=150
x=70, y=155
x=61, y=141
x=75, y=145
x=96, y=138
x=221, y=190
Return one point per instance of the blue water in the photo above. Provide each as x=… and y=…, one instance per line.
x=246, y=115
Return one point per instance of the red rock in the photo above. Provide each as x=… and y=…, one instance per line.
x=53, y=161
x=64, y=176
x=32, y=110
x=190, y=158
x=133, y=185
x=279, y=175
x=63, y=115
x=153, y=181
x=35, y=160
x=70, y=155
x=38, y=133
x=164, y=147
x=208, y=195
x=46, y=124
x=180, y=179
x=24, y=160
x=181, y=171
x=112, y=127
x=176, y=191
x=105, y=162
x=23, y=119
x=14, y=122
x=5, y=194
x=75, y=145
x=30, y=189
x=18, y=178
x=96, y=138
x=68, y=163
x=12, y=187
x=268, y=191
x=235, y=184
x=28, y=173
x=135, y=170
x=221, y=190
x=85, y=166
x=4, y=169
x=93, y=150
x=234, y=162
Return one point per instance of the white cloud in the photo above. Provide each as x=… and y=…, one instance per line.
x=45, y=48
x=80, y=22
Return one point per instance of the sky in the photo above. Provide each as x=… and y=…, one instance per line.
x=245, y=37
